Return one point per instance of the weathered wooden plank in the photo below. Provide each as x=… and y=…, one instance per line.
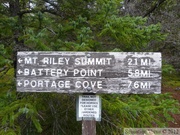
x=94, y=72
x=88, y=127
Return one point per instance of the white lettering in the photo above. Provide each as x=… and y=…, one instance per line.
x=45, y=60
x=87, y=72
x=60, y=61
x=145, y=62
x=129, y=61
x=67, y=61
x=33, y=84
x=139, y=73
x=33, y=72
x=77, y=61
x=139, y=85
x=87, y=84
x=26, y=71
x=132, y=61
x=47, y=72
x=26, y=83
x=34, y=59
x=53, y=84
x=83, y=72
x=145, y=73
x=40, y=83
x=59, y=72
x=40, y=71
x=100, y=61
x=108, y=61
x=46, y=83
x=55, y=60
x=92, y=61
x=130, y=74
x=99, y=84
x=65, y=72
x=67, y=84
x=53, y=73
x=93, y=84
x=78, y=84
x=76, y=71
x=28, y=60
x=62, y=84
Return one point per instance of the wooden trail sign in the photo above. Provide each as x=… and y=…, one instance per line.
x=89, y=72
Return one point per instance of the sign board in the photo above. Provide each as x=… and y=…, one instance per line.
x=88, y=107
x=89, y=72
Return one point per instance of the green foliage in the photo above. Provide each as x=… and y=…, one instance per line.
x=7, y=24
x=171, y=79
x=37, y=41
x=103, y=30
x=131, y=33
x=138, y=111
x=12, y=110
x=167, y=69
x=3, y=59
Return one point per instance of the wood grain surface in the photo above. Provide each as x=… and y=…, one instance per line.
x=89, y=72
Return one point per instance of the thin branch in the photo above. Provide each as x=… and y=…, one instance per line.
x=51, y=11
x=51, y=30
x=4, y=68
x=112, y=124
x=153, y=8
x=3, y=55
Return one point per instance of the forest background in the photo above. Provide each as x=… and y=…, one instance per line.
x=87, y=25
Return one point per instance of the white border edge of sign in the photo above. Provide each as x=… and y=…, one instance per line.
x=87, y=118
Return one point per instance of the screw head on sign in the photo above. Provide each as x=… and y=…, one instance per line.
x=88, y=55
x=88, y=88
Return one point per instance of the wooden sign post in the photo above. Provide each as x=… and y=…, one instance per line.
x=88, y=109
x=89, y=72
x=88, y=127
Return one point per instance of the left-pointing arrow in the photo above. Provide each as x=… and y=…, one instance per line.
x=19, y=71
x=19, y=83
x=20, y=60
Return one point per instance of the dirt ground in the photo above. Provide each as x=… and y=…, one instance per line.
x=176, y=95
